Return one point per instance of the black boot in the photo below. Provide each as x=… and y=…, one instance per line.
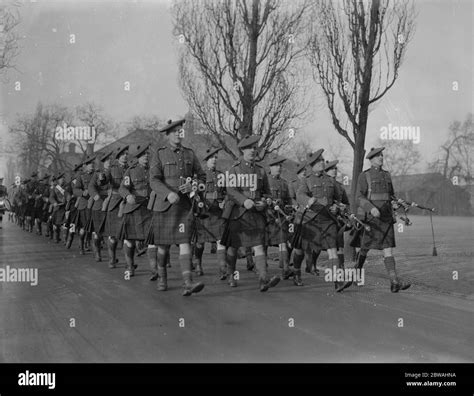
x=221, y=259
x=231, y=264
x=112, y=249
x=96, y=248
x=129, y=256
x=360, y=263
x=190, y=287
x=197, y=259
x=82, y=238
x=70, y=238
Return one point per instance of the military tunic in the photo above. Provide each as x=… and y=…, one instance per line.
x=98, y=186
x=58, y=195
x=210, y=228
x=111, y=205
x=169, y=168
x=137, y=217
x=81, y=185
x=277, y=226
x=247, y=227
x=31, y=188
x=378, y=194
x=319, y=230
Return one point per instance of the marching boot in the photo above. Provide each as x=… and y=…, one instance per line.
x=87, y=242
x=231, y=264
x=70, y=238
x=82, y=237
x=162, y=284
x=168, y=261
x=360, y=263
x=198, y=251
x=153, y=260
x=190, y=287
x=334, y=262
x=340, y=258
x=221, y=260
x=96, y=248
x=129, y=253
x=213, y=247
x=395, y=283
x=112, y=249
x=265, y=283
x=55, y=234
x=297, y=260
x=286, y=272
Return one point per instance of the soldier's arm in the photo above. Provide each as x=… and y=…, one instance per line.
x=362, y=191
x=344, y=198
x=156, y=176
x=235, y=193
x=93, y=191
x=337, y=190
x=77, y=187
x=125, y=188
x=303, y=194
x=266, y=190
x=391, y=190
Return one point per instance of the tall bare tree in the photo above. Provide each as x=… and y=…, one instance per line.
x=238, y=65
x=9, y=20
x=356, y=49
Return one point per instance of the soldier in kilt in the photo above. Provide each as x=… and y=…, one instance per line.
x=171, y=166
x=47, y=207
x=317, y=193
x=331, y=170
x=12, y=214
x=374, y=196
x=210, y=228
x=277, y=225
x=135, y=190
x=98, y=190
x=112, y=222
x=81, y=191
x=71, y=208
x=246, y=207
x=21, y=200
x=3, y=194
x=31, y=191
x=58, y=198
x=38, y=205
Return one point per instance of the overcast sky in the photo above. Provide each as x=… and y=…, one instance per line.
x=132, y=41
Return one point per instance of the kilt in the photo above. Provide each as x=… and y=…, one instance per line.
x=380, y=236
x=30, y=208
x=277, y=231
x=248, y=230
x=319, y=233
x=211, y=228
x=58, y=216
x=173, y=226
x=112, y=223
x=82, y=218
x=136, y=225
x=97, y=216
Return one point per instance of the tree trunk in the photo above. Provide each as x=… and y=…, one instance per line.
x=357, y=166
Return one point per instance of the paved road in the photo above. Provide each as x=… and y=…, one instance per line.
x=81, y=311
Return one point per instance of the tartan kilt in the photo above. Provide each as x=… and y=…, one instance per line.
x=380, y=236
x=166, y=226
x=112, y=223
x=248, y=230
x=136, y=225
x=319, y=233
x=58, y=216
x=82, y=218
x=30, y=208
x=97, y=216
x=21, y=210
x=211, y=228
x=277, y=232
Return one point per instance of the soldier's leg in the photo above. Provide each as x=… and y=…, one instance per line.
x=168, y=255
x=185, y=262
x=261, y=264
x=221, y=261
x=129, y=252
x=298, y=257
x=395, y=283
x=198, y=252
x=82, y=237
x=152, y=253
x=334, y=265
x=361, y=256
x=70, y=237
x=250, y=262
x=340, y=257
x=55, y=233
x=112, y=249
x=231, y=264
x=283, y=253
x=96, y=247
x=161, y=253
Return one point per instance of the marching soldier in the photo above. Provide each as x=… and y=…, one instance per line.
x=374, y=196
x=21, y=202
x=71, y=207
x=58, y=198
x=3, y=195
x=80, y=190
x=277, y=225
x=12, y=214
x=111, y=205
x=135, y=189
x=210, y=228
x=331, y=170
x=31, y=191
x=171, y=166
x=317, y=193
x=247, y=213
x=98, y=190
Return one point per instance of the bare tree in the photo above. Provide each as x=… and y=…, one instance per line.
x=400, y=156
x=356, y=49
x=9, y=20
x=238, y=64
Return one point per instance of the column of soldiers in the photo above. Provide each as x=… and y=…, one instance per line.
x=167, y=198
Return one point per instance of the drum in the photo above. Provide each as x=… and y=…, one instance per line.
x=5, y=205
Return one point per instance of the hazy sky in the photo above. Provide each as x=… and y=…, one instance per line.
x=132, y=41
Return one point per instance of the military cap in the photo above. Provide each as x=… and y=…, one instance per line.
x=330, y=165
x=140, y=149
x=89, y=159
x=301, y=167
x=276, y=159
x=249, y=141
x=210, y=152
x=120, y=150
x=312, y=158
x=77, y=167
x=171, y=124
x=34, y=174
x=106, y=156
x=374, y=152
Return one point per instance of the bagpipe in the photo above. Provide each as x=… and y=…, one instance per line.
x=198, y=203
x=276, y=207
x=348, y=219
